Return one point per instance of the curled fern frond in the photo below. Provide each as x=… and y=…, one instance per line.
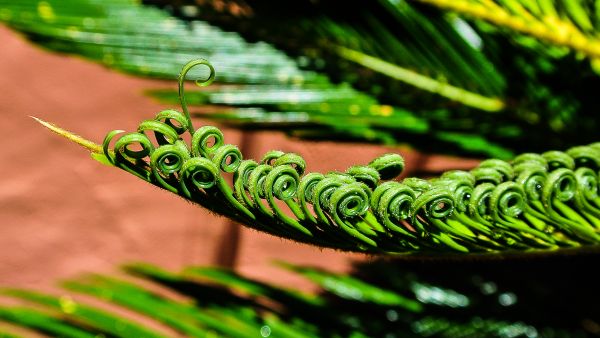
x=536, y=202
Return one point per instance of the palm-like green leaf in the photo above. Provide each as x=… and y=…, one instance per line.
x=44, y=322
x=185, y=317
x=426, y=43
x=346, y=306
x=80, y=313
x=537, y=202
x=422, y=48
x=351, y=288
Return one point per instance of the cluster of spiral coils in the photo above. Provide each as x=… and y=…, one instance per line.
x=536, y=202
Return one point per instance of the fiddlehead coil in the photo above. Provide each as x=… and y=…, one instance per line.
x=532, y=178
x=487, y=175
x=206, y=141
x=502, y=167
x=586, y=197
x=558, y=159
x=507, y=200
x=585, y=156
x=198, y=174
x=479, y=205
x=166, y=162
x=461, y=188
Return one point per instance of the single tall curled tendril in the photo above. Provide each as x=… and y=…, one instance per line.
x=201, y=83
x=535, y=202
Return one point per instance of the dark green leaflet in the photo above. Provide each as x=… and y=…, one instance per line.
x=89, y=316
x=537, y=202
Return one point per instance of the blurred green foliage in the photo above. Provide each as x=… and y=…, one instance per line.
x=379, y=299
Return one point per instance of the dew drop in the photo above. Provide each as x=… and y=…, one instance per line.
x=265, y=331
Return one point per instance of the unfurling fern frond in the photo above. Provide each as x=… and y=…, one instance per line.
x=537, y=202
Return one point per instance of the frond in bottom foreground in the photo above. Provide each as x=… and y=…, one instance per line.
x=380, y=299
x=537, y=202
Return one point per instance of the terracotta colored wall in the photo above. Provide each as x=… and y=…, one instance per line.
x=63, y=214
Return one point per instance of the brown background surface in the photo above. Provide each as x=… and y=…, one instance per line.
x=64, y=214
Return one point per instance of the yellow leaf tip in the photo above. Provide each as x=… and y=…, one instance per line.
x=87, y=144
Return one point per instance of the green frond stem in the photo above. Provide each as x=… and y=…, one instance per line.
x=423, y=82
x=541, y=22
x=537, y=202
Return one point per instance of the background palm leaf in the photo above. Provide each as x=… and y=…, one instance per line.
x=379, y=299
x=547, y=94
x=388, y=111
